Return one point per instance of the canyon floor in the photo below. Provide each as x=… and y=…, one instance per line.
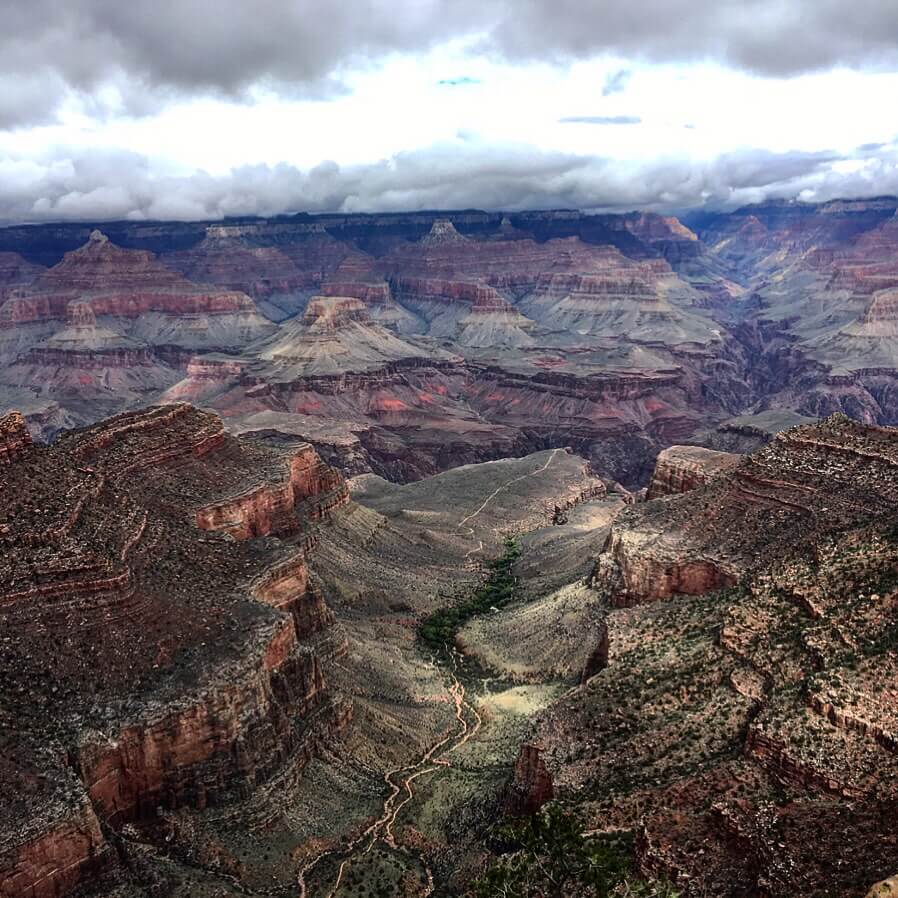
x=432, y=744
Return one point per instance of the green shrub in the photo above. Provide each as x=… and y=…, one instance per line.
x=549, y=854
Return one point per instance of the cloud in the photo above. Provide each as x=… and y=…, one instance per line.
x=768, y=37
x=600, y=120
x=152, y=52
x=121, y=185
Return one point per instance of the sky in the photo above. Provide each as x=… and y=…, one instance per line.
x=186, y=109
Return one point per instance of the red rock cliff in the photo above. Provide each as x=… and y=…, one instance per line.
x=683, y=468
x=532, y=785
x=179, y=676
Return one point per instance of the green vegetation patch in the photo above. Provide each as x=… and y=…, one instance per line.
x=498, y=588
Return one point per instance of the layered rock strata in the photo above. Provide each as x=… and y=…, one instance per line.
x=745, y=730
x=807, y=479
x=136, y=296
x=151, y=663
x=531, y=787
x=683, y=468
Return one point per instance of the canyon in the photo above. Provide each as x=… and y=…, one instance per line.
x=249, y=468
x=406, y=344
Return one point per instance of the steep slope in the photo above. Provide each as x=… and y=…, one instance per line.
x=816, y=477
x=16, y=271
x=157, y=653
x=740, y=716
x=817, y=310
x=564, y=284
x=494, y=322
x=617, y=334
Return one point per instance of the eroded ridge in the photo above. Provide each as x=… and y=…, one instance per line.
x=147, y=663
x=810, y=479
x=740, y=716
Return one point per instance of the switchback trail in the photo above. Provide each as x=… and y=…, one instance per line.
x=400, y=780
x=464, y=521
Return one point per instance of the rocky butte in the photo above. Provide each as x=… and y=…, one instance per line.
x=108, y=328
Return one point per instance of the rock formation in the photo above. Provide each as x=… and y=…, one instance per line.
x=14, y=437
x=333, y=336
x=16, y=271
x=598, y=657
x=494, y=322
x=137, y=296
x=531, y=787
x=683, y=468
x=228, y=258
x=745, y=726
x=551, y=323
x=807, y=479
x=149, y=662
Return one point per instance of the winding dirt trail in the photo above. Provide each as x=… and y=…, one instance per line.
x=492, y=496
x=400, y=779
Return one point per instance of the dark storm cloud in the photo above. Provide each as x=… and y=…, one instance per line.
x=769, y=37
x=176, y=47
x=600, y=120
x=153, y=51
x=117, y=185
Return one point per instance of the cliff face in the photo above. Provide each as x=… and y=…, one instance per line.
x=15, y=437
x=680, y=469
x=531, y=786
x=107, y=329
x=16, y=271
x=745, y=726
x=809, y=478
x=181, y=674
x=271, y=507
x=228, y=258
x=217, y=749
x=517, y=297
x=821, y=278
x=57, y=861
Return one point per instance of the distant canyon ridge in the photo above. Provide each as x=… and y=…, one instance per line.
x=408, y=344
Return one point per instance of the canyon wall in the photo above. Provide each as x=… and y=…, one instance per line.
x=207, y=684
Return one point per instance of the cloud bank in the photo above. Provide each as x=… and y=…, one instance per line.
x=120, y=185
x=151, y=53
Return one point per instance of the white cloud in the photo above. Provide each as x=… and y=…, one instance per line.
x=120, y=185
x=199, y=109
